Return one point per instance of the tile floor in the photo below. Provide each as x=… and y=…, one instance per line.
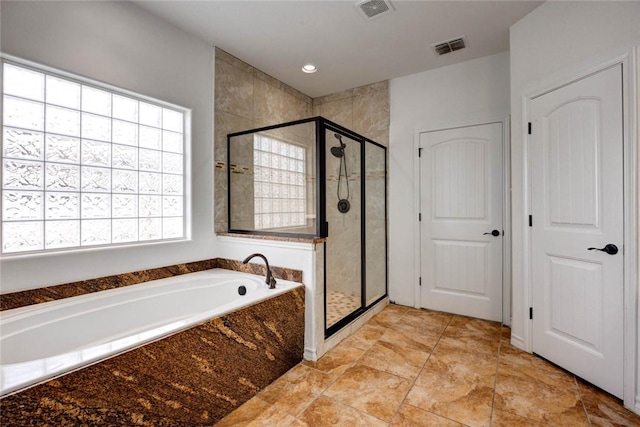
x=409, y=367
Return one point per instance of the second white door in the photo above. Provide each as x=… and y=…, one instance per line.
x=461, y=233
x=577, y=228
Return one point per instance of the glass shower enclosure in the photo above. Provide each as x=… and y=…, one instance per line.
x=315, y=179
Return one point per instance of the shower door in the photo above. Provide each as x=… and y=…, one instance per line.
x=343, y=258
x=375, y=222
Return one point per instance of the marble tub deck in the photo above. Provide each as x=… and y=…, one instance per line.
x=409, y=367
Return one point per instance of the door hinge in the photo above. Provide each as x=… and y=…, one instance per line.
x=419, y=152
x=530, y=220
x=419, y=281
x=420, y=216
x=530, y=312
x=529, y=128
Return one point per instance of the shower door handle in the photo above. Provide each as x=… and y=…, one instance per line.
x=494, y=233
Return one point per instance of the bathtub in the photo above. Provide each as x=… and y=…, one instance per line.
x=46, y=340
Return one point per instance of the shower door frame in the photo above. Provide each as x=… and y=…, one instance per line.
x=319, y=143
x=321, y=226
x=364, y=307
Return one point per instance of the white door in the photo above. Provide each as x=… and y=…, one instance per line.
x=461, y=193
x=577, y=207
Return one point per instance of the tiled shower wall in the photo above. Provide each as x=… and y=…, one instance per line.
x=246, y=98
x=364, y=110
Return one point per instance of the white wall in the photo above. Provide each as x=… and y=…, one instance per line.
x=555, y=40
x=454, y=95
x=120, y=44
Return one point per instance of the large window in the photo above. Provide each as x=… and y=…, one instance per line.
x=279, y=184
x=84, y=165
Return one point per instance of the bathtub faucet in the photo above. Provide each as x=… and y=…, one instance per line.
x=270, y=281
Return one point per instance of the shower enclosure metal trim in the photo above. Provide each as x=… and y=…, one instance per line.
x=363, y=276
x=322, y=126
x=319, y=194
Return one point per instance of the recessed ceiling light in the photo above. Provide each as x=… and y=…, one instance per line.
x=309, y=68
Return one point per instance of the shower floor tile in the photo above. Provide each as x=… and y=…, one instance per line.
x=339, y=305
x=411, y=367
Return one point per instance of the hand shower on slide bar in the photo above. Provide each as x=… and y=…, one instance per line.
x=343, y=203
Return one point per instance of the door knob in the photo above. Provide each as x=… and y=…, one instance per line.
x=494, y=233
x=611, y=249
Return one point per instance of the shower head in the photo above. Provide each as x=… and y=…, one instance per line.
x=338, y=151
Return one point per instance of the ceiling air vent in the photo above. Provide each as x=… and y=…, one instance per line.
x=449, y=45
x=370, y=9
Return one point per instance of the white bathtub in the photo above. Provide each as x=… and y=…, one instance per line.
x=42, y=341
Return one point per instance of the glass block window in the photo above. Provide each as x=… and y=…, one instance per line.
x=84, y=165
x=278, y=184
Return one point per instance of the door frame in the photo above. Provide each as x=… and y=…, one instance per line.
x=506, y=203
x=631, y=182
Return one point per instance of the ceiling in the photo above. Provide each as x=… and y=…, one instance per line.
x=279, y=37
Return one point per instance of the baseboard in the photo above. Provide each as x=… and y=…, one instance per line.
x=637, y=407
x=310, y=354
x=517, y=342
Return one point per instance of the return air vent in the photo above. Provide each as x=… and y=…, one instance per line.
x=370, y=9
x=449, y=45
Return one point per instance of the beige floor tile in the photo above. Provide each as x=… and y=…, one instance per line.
x=456, y=384
x=364, y=337
x=326, y=412
x=452, y=340
x=507, y=419
x=411, y=339
x=538, y=401
x=469, y=325
x=604, y=409
x=519, y=363
x=386, y=318
x=296, y=389
x=458, y=367
x=336, y=360
x=410, y=416
x=396, y=308
x=256, y=412
x=505, y=333
x=370, y=390
x=388, y=357
x=468, y=403
x=422, y=320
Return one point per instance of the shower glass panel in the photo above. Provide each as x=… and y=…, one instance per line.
x=343, y=216
x=272, y=180
x=375, y=222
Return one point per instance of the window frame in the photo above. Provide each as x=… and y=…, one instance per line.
x=112, y=90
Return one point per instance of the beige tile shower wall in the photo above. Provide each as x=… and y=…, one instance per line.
x=365, y=110
x=246, y=98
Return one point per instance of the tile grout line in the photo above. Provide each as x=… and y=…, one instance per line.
x=321, y=394
x=495, y=380
x=421, y=369
x=584, y=408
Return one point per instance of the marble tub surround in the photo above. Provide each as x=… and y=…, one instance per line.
x=410, y=367
x=194, y=377
x=51, y=293
x=261, y=269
